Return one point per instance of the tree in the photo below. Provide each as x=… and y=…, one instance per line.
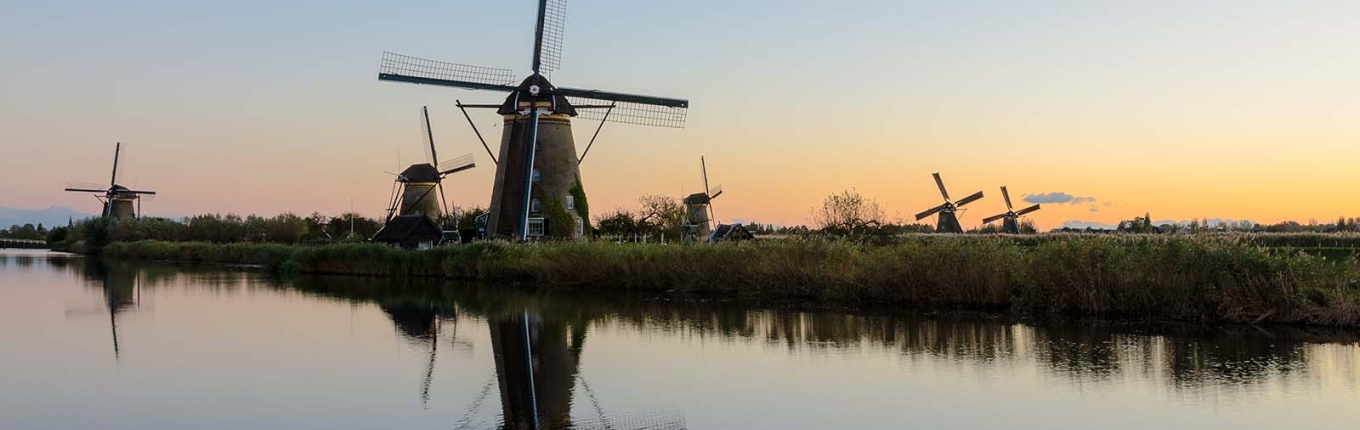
x=847, y=214
x=661, y=214
x=619, y=223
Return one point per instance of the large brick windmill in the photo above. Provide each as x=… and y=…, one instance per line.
x=538, y=190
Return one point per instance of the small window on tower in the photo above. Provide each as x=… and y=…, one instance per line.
x=533, y=205
x=571, y=202
x=537, y=176
x=580, y=227
x=537, y=227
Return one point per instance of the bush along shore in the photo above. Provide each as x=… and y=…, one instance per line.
x=1201, y=279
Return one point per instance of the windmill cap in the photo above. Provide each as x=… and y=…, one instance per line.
x=423, y=172
x=523, y=94
x=697, y=199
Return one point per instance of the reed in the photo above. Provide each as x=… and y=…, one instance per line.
x=1187, y=278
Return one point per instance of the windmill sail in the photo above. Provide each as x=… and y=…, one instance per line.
x=940, y=183
x=552, y=22
x=454, y=165
x=966, y=200
x=403, y=68
x=428, y=134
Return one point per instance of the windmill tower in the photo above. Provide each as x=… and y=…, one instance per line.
x=699, y=208
x=119, y=201
x=948, y=221
x=1012, y=217
x=538, y=178
x=414, y=190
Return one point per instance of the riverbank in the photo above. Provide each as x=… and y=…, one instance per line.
x=1201, y=279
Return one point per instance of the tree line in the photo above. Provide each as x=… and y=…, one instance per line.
x=25, y=232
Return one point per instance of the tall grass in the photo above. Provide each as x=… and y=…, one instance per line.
x=1208, y=278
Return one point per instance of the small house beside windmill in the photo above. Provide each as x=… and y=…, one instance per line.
x=119, y=201
x=414, y=231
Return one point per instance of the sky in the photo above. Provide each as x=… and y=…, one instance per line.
x=1180, y=109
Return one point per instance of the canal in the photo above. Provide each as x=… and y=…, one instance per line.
x=90, y=344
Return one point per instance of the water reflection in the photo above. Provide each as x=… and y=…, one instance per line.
x=121, y=288
x=1188, y=356
x=537, y=350
x=538, y=340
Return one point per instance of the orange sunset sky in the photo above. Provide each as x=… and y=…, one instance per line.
x=1231, y=109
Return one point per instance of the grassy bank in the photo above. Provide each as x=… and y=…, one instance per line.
x=1210, y=279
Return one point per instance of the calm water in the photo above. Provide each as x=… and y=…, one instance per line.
x=87, y=345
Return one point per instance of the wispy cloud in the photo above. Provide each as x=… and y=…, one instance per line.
x=1058, y=198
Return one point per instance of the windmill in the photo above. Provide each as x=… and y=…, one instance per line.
x=538, y=172
x=413, y=193
x=699, y=207
x=1012, y=217
x=119, y=201
x=948, y=222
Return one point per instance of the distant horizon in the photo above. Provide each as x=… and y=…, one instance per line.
x=7, y=219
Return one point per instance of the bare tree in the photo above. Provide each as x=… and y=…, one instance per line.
x=848, y=213
x=665, y=214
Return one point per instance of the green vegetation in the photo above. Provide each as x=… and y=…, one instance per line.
x=578, y=195
x=1186, y=278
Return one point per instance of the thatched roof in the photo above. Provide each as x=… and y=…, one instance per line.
x=401, y=227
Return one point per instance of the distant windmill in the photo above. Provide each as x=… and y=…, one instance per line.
x=119, y=201
x=699, y=216
x=414, y=190
x=537, y=172
x=948, y=222
x=1012, y=216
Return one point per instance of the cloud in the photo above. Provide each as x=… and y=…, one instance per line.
x=1058, y=198
x=1095, y=209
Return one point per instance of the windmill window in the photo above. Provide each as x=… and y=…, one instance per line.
x=536, y=227
x=537, y=176
x=580, y=227
x=571, y=202
x=534, y=206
